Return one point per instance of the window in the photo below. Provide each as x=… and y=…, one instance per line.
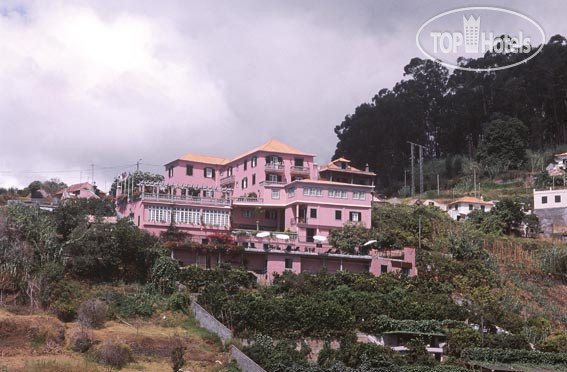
x=338, y=215
x=313, y=213
x=405, y=271
x=544, y=200
x=383, y=269
x=229, y=172
x=298, y=162
x=170, y=172
x=456, y=207
x=245, y=182
x=274, y=178
x=253, y=179
x=208, y=193
x=431, y=204
x=275, y=194
x=209, y=173
x=343, y=194
x=558, y=198
x=271, y=215
x=343, y=165
x=189, y=170
x=312, y=191
x=296, y=179
x=254, y=162
x=360, y=195
x=291, y=192
x=470, y=207
x=482, y=208
x=355, y=216
x=245, y=164
x=158, y=213
x=185, y=216
x=215, y=217
x=289, y=263
x=247, y=213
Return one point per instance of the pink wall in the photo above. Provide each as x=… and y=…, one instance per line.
x=198, y=177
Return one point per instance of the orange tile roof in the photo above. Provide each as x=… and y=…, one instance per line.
x=333, y=166
x=470, y=199
x=204, y=159
x=330, y=183
x=272, y=145
x=562, y=154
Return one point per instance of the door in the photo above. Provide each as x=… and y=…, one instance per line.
x=310, y=235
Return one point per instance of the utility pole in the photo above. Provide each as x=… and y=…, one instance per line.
x=420, y=171
x=421, y=147
x=412, y=170
x=92, y=173
x=437, y=184
x=474, y=180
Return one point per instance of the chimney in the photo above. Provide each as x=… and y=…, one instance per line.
x=367, y=169
x=316, y=168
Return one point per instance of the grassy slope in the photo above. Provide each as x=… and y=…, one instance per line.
x=33, y=343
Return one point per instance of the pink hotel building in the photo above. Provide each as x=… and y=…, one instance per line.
x=276, y=203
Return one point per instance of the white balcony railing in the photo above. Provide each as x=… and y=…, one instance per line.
x=227, y=180
x=300, y=170
x=275, y=167
x=246, y=199
x=185, y=199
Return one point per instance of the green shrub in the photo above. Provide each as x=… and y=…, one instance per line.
x=514, y=356
x=165, y=274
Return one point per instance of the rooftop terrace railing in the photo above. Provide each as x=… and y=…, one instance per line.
x=247, y=199
x=186, y=199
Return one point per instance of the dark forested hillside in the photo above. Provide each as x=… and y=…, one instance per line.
x=449, y=112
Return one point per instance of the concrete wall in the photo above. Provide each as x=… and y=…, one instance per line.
x=550, y=217
x=244, y=362
x=209, y=322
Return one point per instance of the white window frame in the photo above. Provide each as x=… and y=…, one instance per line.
x=359, y=195
x=291, y=192
x=275, y=194
x=208, y=172
x=337, y=193
x=312, y=191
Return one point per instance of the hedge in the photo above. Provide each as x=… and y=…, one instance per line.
x=383, y=323
x=514, y=356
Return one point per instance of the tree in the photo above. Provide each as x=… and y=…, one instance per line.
x=509, y=213
x=503, y=144
x=350, y=238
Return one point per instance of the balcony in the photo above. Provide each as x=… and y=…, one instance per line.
x=250, y=235
x=273, y=182
x=248, y=200
x=228, y=180
x=275, y=167
x=296, y=169
x=185, y=199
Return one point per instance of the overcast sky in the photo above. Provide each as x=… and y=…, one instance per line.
x=110, y=82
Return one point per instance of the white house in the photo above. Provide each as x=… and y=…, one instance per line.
x=460, y=208
x=561, y=160
x=430, y=202
x=549, y=199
